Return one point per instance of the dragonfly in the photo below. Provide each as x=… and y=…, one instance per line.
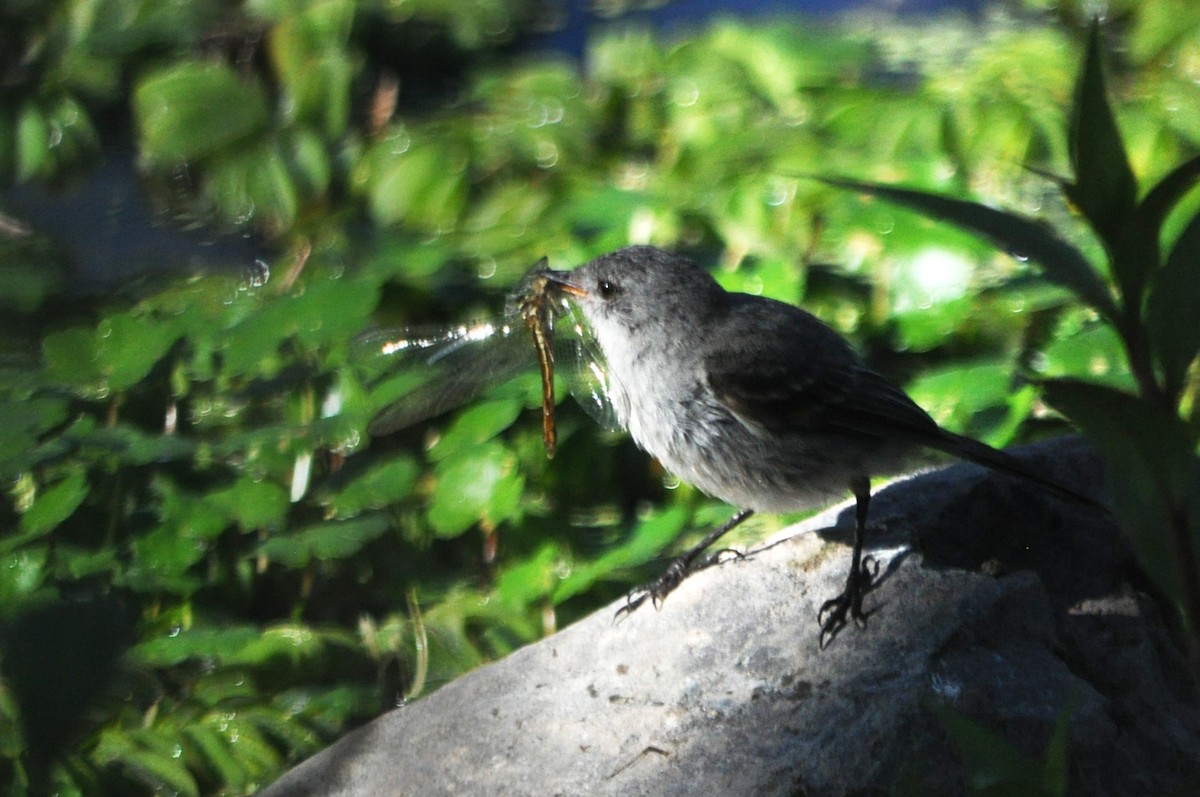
x=444, y=368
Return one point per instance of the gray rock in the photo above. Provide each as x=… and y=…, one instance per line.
x=995, y=604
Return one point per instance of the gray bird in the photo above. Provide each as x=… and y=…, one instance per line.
x=753, y=401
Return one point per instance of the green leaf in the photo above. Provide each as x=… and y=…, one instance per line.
x=1137, y=257
x=1153, y=471
x=128, y=345
x=254, y=752
x=530, y=579
x=648, y=540
x=384, y=484
x=423, y=187
x=254, y=182
x=130, y=445
x=70, y=355
x=55, y=504
x=193, y=109
x=76, y=563
x=160, y=770
x=217, y=645
x=22, y=423
x=1171, y=308
x=216, y=752
x=31, y=271
x=1061, y=263
x=477, y=424
x=472, y=485
x=291, y=642
x=308, y=162
x=1104, y=189
x=955, y=394
x=33, y=142
x=309, y=57
x=1094, y=351
x=324, y=541
x=121, y=350
x=23, y=572
x=254, y=504
x=326, y=312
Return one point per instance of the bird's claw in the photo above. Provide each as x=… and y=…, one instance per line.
x=848, y=605
x=656, y=591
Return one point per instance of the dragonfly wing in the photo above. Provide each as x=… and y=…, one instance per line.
x=441, y=371
x=584, y=369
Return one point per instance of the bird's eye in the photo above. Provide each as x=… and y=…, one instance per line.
x=606, y=288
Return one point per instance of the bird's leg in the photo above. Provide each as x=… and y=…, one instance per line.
x=862, y=574
x=678, y=570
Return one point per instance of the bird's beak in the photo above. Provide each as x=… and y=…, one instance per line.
x=566, y=282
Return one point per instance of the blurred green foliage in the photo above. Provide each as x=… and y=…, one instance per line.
x=185, y=463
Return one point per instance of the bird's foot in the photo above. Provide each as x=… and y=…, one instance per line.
x=848, y=605
x=658, y=590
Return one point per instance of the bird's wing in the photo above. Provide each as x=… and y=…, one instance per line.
x=809, y=380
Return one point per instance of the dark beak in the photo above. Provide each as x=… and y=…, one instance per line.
x=565, y=281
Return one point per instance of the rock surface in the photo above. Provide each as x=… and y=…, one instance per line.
x=995, y=604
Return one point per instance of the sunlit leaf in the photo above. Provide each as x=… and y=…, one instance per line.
x=22, y=572
x=308, y=50
x=255, y=504
x=648, y=540
x=218, y=645
x=1061, y=263
x=952, y=395
x=160, y=770
x=1093, y=352
x=423, y=186
x=470, y=486
x=129, y=345
x=216, y=752
x=33, y=142
x=530, y=579
x=477, y=424
x=193, y=109
x=56, y=503
x=324, y=541
x=384, y=484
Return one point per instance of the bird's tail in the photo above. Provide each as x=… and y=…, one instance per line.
x=982, y=454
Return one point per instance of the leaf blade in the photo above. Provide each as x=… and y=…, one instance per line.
x=1104, y=189
x=1171, y=308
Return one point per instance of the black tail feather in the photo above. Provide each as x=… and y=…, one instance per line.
x=982, y=454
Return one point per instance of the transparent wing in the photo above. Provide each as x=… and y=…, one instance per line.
x=583, y=368
x=424, y=372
